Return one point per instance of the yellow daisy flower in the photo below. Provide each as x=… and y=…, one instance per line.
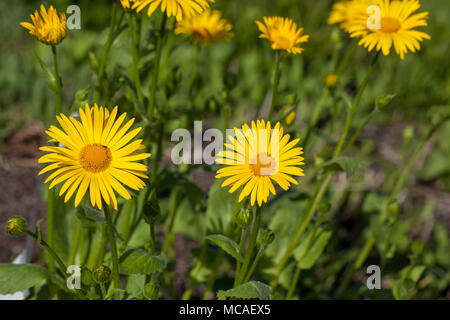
x=397, y=21
x=255, y=157
x=96, y=154
x=347, y=11
x=206, y=27
x=48, y=27
x=282, y=34
x=180, y=9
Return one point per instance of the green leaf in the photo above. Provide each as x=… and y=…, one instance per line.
x=226, y=244
x=50, y=77
x=139, y=261
x=20, y=277
x=248, y=290
x=221, y=205
x=346, y=164
x=310, y=250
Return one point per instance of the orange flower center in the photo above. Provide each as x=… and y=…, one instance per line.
x=390, y=25
x=95, y=157
x=263, y=165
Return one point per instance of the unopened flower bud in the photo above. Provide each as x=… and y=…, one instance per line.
x=244, y=217
x=267, y=237
x=393, y=208
x=318, y=162
x=290, y=118
x=408, y=133
x=383, y=102
x=152, y=211
x=101, y=274
x=151, y=290
x=16, y=226
x=330, y=81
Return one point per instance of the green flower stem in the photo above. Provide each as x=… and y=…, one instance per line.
x=213, y=277
x=108, y=44
x=344, y=62
x=102, y=288
x=275, y=82
x=155, y=76
x=326, y=181
x=58, y=108
x=294, y=283
x=241, y=248
x=51, y=193
x=326, y=93
x=61, y=264
x=174, y=201
x=126, y=224
x=251, y=247
x=254, y=264
x=158, y=153
x=97, y=250
x=315, y=117
x=352, y=112
x=368, y=246
x=51, y=226
x=196, y=270
x=75, y=242
x=112, y=243
x=358, y=131
x=168, y=49
x=135, y=49
x=219, y=256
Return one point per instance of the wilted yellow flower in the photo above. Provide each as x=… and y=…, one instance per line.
x=48, y=27
x=180, y=9
x=396, y=24
x=255, y=157
x=96, y=153
x=282, y=34
x=330, y=81
x=206, y=27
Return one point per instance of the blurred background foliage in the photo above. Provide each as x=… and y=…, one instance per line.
x=421, y=81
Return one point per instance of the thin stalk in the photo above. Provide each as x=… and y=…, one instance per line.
x=96, y=253
x=75, y=242
x=346, y=58
x=51, y=226
x=251, y=247
x=102, y=288
x=173, y=206
x=58, y=108
x=254, y=264
x=113, y=247
x=358, y=131
x=241, y=248
x=108, y=44
x=158, y=153
x=135, y=49
x=294, y=283
x=323, y=185
x=155, y=76
x=126, y=224
x=368, y=246
x=275, y=82
x=61, y=264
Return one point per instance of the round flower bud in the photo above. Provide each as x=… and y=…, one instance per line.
x=393, y=207
x=101, y=274
x=151, y=290
x=330, y=81
x=244, y=217
x=267, y=237
x=318, y=162
x=408, y=133
x=16, y=226
x=152, y=211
